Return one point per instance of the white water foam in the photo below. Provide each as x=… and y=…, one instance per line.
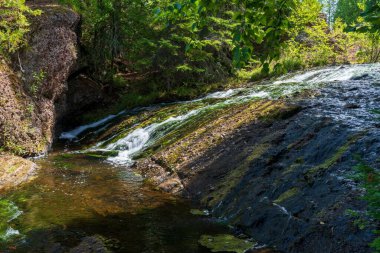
x=138, y=139
x=11, y=232
x=222, y=94
x=12, y=210
x=342, y=73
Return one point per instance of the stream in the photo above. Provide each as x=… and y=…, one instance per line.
x=87, y=198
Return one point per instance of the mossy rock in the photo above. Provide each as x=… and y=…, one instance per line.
x=287, y=195
x=335, y=157
x=101, y=154
x=225, y=243
x=198, y=212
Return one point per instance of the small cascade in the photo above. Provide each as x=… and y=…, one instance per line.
x=138, y=139
x=73, y=134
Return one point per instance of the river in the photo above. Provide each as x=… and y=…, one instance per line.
x=86, y=196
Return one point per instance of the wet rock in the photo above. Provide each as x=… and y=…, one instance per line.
x=281, y=182
x=14, y=171
x=351, y=106
x=361, y=77
x=173, y=185
x=90, y=244
x=198, y=212
x=225, y=243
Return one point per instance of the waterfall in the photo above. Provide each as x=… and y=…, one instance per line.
x=141, y=137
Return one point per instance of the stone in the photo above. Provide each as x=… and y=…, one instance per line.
x=15, y=170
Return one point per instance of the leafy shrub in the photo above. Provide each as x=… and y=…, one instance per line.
x=13, y=24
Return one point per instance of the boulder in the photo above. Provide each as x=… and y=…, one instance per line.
x=33, y=86
x=14, y=171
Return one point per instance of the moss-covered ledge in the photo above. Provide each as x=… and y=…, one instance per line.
x=14, y=171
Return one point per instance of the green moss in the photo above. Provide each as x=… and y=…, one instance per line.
x=335, y=157
x=13, y=168
x=198, y=212
x=101, y=154
x=297, y=163
x=286, y=195
x=225, y=243
x=280, y=113
x=300, y=160
x=235, y=175
x=290, y=169
x=66, y=156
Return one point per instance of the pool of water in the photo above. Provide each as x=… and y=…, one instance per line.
x=79, y=204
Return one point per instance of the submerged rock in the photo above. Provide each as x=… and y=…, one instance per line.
x=225, y=243
x=198, y=212
x=91, y=244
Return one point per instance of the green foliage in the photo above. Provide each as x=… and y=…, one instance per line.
x=349, y=11
x=250, y=28
x=155, y=46
x=13, y=24
x=369, y=47
x=114, y=33
x=312, y=42
x=371, y=16
x=309, y=39
x=195, y=41
x=38, y=79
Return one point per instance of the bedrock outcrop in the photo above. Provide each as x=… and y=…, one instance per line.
x=282, y=171
x=33, y=85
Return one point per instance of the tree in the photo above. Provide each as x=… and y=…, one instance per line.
x=256, y=27
x=114, y=30
x=348, y=11
x=371, y=16
x=13, y=24
x=329, y=7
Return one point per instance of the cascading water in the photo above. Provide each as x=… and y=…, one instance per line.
x=77, y=202
x=142, y=137
x=138, y=139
